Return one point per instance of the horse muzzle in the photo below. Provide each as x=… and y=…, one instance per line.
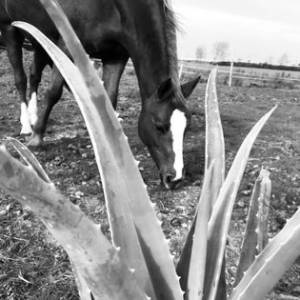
x=169, y=182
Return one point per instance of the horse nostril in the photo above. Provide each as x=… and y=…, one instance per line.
x=170, y=176
x=168, y=180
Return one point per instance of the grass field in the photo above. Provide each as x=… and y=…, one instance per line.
x=33, y=266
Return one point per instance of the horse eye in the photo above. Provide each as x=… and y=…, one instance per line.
x=163, y=128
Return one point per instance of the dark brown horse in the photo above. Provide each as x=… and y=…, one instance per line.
x=112, y=30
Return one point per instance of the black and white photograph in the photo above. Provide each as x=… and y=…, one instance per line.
x=149, y=149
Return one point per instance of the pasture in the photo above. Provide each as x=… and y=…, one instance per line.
x=248, y=76
x=33, y=266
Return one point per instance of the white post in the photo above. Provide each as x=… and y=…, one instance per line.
x=180, y=70
x=230, y=74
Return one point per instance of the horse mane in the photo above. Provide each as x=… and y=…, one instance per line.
x=171, y=26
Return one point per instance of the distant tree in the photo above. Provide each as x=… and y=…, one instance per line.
x=283, y=59
x=200, y=52
x=220, y=50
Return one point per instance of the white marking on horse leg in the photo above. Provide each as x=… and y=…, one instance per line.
x=24, y=119
x=178, y=125
x=32, y=109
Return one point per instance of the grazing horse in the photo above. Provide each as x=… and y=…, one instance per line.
x=112, y=30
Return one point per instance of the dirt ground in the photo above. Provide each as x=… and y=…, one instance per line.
x=33, y=266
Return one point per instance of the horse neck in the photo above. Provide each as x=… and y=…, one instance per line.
x=152, y=69
x=152, y=45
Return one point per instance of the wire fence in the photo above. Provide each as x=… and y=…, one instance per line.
x=190, y=68
x=244, y=73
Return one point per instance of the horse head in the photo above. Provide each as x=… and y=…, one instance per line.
x=162, y=124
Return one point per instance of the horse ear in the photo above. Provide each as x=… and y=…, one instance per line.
x=165, y=90
x=188, y=87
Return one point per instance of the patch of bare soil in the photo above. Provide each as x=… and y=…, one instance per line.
x=33, y=266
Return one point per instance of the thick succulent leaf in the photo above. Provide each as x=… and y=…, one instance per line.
x=191, y=265
x=249, y=244
x=221, y=214
x=120, y=175
x=83, y=288
x=183, y=264
x=214, y=138
x=260, y=195
x=197, y=262
x=28, y=157
x=97, y=261
x=271, y=264
x=214, y=151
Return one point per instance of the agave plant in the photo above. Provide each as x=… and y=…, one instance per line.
x=136, y=263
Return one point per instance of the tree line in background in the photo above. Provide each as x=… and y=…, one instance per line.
x=221, y=52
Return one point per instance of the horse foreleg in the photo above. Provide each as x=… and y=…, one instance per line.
x=40, y=60
x=112, y=72
x=52, y=96
x=13, y=41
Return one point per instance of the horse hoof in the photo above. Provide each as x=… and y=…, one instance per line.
x=34, y=141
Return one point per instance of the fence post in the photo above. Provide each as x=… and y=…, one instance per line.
x=230, y=74
x=180, y=70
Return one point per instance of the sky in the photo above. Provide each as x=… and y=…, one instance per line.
x=256, y=30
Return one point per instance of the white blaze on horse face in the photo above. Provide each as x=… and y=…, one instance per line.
x=32, y=109
x=178, y=125
x=24, y=119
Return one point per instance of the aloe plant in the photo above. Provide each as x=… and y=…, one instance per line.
x=136, y=264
